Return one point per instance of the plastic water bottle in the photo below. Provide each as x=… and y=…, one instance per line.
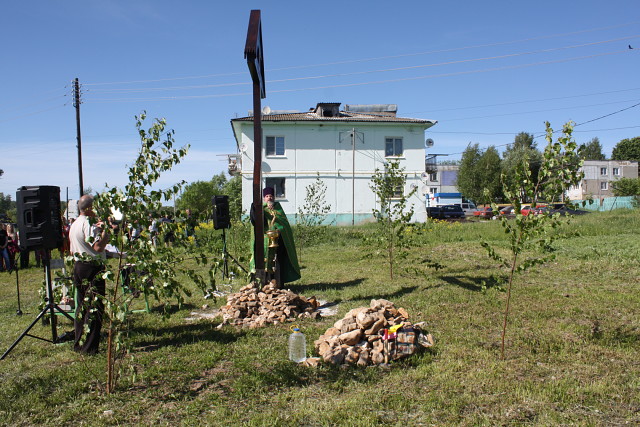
x=297, y=345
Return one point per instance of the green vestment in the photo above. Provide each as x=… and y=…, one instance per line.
x=287, y=256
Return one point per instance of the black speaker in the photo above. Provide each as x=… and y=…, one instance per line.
x=39, y=220
x=221, y=212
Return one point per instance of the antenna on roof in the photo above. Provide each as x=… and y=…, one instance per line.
x=266, y=110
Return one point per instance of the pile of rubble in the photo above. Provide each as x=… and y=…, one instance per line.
x=372, y=335
x=254, y=307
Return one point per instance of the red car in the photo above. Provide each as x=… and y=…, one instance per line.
x=485, y=212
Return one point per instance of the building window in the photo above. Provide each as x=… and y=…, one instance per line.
x=603, y=171
x=616, y=171
x=604, y=185
x=393, y=147
x=278, y=185
x=433, y=190
x=275, y=146
x=433, y=177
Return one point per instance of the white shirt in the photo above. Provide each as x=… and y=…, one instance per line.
x=79, y=234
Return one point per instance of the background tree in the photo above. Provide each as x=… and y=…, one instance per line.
x=626, y=187
x=468, y=181
x=592, y=150
x=523, y=150
x=233, y=189
x=7, y=206
x=449, y=162
x=627, y=149
x=198, y=194
x=479, y=174
x=488, y=170
x=393, y=215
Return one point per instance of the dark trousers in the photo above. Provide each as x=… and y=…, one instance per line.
x=86, y=276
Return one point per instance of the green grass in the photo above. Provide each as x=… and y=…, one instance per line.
x=572, y=343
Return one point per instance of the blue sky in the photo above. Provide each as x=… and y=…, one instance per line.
x=484, y=70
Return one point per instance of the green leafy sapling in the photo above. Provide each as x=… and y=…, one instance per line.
x=394, y=214
x=312, y=213
x=560, y=169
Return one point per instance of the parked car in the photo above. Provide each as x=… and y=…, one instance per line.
x=445, y=212
x=469, y=208
x=434, y=212
x=451, y=211
x=486, y=212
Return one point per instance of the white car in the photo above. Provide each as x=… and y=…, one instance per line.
x=468, y=208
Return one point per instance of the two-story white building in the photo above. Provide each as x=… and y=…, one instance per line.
x=598, y=176
x=342, y=147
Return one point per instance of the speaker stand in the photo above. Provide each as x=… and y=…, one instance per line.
x=19, y=311
x=226, y=255
x=50, y=307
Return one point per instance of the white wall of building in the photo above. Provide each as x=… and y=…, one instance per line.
x=326, y=149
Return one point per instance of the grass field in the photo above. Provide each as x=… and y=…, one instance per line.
x=572, y=356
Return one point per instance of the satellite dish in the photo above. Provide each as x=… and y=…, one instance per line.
x=424, y=190
x=266, y=110
x=429, y=142
x=414, y=186
x=243, y=148
x=424, y=176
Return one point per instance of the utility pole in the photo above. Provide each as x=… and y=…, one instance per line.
x=353, y=177
x=76, y=103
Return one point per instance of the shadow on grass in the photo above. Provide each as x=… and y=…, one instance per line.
x=285, y=374
x=179, y=335
x=388, y=296
x=476, y=284
x=172, y=309
x=324, y=286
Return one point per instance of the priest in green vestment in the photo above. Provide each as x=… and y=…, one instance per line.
x=282, y=261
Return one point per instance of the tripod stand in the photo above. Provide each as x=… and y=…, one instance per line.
x=18, y=312
x=50, y=307
x=226, y=255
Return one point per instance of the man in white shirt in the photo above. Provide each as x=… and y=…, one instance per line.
x=88, y=242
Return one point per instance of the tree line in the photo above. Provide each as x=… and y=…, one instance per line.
x=480, y=169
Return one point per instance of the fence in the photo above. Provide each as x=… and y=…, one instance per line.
x=610, y=203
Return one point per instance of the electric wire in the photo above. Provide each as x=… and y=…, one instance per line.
x=536, y=135
x=534, y=111
x=356, y=73
x=459, y=73
x=31, y=114
x=31, y=104
x=371, y=59
x=528, y=101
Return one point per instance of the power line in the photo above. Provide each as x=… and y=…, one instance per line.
x=31, y=104
x=371, y=59
x=459, y=73
x=528, y=101
x=535, y=111
x=557, y=131
x=31, y=114
x=356, y=73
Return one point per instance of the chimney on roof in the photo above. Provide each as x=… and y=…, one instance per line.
x=328, y=109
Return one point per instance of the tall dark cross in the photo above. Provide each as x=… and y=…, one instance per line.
x=254, y=56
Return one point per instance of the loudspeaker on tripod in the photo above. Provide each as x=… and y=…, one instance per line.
x=39, y=220
x=221, y=217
